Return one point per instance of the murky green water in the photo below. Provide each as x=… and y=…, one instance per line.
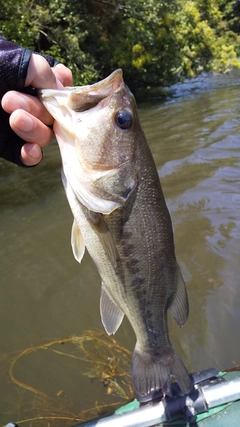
x=46, y=295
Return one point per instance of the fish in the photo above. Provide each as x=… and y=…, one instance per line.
x=121, y=218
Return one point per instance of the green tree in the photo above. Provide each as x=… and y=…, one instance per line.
x=155, y=42
x=231, y=14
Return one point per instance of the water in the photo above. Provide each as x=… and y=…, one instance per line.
x=46, y=295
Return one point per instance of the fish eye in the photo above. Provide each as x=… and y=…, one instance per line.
x=124, y=119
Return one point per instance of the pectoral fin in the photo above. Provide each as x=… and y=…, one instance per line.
x=77, y=242
x=111, y=314
x=105, y=237
x=179, y=303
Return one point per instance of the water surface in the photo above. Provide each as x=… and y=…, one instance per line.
x=46, y=295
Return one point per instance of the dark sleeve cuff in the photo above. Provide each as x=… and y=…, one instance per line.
x=10, y=143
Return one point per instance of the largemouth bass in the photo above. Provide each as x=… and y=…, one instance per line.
x=121, y=217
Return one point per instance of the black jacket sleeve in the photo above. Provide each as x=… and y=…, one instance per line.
x=14, y=61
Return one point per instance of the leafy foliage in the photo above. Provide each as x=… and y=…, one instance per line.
x=155, y=42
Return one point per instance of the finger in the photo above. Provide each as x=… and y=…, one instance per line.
x=31, y=154
x=40, y=74
x=30, y=129
x=63, y=75
x=13, y=100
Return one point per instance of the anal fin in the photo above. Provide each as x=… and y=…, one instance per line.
x=111, y=314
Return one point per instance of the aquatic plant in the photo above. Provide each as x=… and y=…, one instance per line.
x=106, y=363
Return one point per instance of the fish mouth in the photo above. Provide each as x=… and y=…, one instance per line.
x=86, y=97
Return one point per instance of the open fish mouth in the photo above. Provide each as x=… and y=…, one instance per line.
x=90, y=95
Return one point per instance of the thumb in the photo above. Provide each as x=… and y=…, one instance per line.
x=63, y=75
x=40, y=74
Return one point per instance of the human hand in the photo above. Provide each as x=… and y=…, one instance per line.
x=28, y=117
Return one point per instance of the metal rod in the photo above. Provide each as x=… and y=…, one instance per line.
x=142, y=417
x=149, y=415
x=222, y=393
x=199, y=400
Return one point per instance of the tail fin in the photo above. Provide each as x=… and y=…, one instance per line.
x=153, y=373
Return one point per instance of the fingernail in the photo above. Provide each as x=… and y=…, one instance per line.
x=59, y=85
x=28, y=124
x=23, y=122
x=34, y=151
x=24, y=105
